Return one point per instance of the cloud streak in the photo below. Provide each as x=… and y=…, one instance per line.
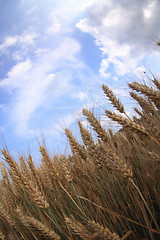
x=41, y=82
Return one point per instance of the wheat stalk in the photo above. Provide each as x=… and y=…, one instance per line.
x=144, y=201
x=35, y=174
x=81, y=174
x=138, y=111
x=112, y=161
x=7, y=215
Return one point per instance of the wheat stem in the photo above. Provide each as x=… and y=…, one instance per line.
x=137, y=188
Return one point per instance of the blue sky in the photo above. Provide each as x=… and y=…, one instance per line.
x=54, y=56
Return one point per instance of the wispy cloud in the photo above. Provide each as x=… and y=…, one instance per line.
x=17, y=75
x=27, y=38
x=80, y=95
x=41, y=82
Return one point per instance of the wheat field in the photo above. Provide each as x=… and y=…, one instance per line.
x=108, y=188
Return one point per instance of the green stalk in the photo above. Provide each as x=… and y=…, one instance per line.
x=73, y=200
x=138, y=190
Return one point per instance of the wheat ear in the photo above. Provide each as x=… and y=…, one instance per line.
x=2, y=236
x=46, y=160
x=96, y=126
x=78, y=228
x=130, y=125
x=66, y=168
x=103, y=232
x=7, y=215
x=34, y=173
x=50, y=234
x=4, y=173
x=145, y=105
x=149, y=92
x=75, y=146
x=156, y=83
x=138, y=111
x=16, y=182
x=112, y=161
x=116, y=102
x=89, y=143
x=13, y=165
x=8, y=198
x=86, y=136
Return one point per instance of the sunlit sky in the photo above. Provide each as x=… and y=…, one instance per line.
x=55, y=54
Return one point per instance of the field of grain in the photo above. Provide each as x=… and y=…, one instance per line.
x=108, y=188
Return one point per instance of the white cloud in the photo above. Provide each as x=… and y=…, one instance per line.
x=41, y=82
x=123, y=31
x=140, y=72
x=55, y=27
x=103, y=68
x=149, y=9
x=63, y=15
x=9, y=41
x=17, y=75
x=80, y=95
x=27, y=38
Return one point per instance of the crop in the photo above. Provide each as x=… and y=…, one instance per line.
x=107, y=188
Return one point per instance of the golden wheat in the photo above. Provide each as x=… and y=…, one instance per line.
x=107, y=188
x=101, y=231
x=116, y=102
x=152, y=94
x=78, y=228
